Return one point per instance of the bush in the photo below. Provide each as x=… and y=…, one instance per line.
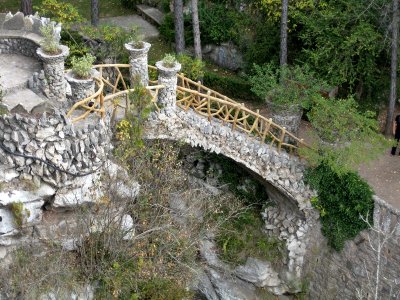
x=236, y=247
x=191, y=68
x=169, y=60
x=131, y=4
x=82, y=66
x=234, y=87
x=342, y=199
x=50, y=44
x=285, y=85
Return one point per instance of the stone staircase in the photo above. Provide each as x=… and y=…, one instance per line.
x=15, y=74
x=151, y=14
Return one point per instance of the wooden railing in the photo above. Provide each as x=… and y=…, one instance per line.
x=111, y=93
x=93, y=103
x=239, y=117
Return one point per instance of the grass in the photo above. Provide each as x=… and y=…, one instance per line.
x=108, y=8
x=235, y=246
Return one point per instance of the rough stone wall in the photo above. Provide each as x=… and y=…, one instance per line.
x=168, y=78
x=18, y=46
x=55, y=140
x=138, y=63
x=351, y=273
x=279, y=169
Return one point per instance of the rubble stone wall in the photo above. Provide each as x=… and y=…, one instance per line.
x=351, y=273
x=55, y=140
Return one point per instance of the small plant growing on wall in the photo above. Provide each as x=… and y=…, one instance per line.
x=82, y=66
x=50, y=44
x=135, y=38
x=169, y=61
x=20, y=213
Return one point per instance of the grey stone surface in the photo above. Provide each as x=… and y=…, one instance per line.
x=225, y=55
x=138, y=63
x=352, y=271
x=15, y=23
x=53, y=66
x=24, y=98
x=80, y=88
x=167, y=77
x=258, y=272
x=16, y=71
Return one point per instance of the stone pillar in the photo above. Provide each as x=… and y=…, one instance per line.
x=138, y=62
x=167, y=76
x=53, y=66
x=81, y=88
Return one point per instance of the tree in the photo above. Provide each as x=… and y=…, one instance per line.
x=95, y=12
x=284, y=30
x=26, y=7
x=179, y=26
x=393, y=68
x=196, y=29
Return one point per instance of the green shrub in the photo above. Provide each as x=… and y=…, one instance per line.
x=49, y=43
x=235, y=247
x=230, y=86
x=285, y=85
x=169, y=60
x=191, y=68
x=82, y=66
x=131, y=4
x=342, y=199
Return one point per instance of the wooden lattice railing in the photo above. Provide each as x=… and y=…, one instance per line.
x=112, y=91
x=217, y=106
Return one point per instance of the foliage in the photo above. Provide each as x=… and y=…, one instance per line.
x=231, y=86
x=130, y=129
x=112, y=40
x=49, y=43
x=135, y=37
x=344, y=43
x=191, y=68
x=236, y=247
x=285, y=85
x=20, y=213
x=342, y=200
x=59, y=11
x=345, y=137
x=130, y=4
x=82, y=66
x=30, y=275
x=169, y=60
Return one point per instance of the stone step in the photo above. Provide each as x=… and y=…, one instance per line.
x=25, y=97
x=151, y=14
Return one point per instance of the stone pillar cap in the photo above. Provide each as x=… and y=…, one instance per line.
x=53, y=57
x=132, y=49
x=168, y=70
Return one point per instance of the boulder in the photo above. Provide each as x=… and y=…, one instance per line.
x=258, y=272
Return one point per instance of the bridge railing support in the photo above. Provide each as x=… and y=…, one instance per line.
x=138, y=63
x=167, y=76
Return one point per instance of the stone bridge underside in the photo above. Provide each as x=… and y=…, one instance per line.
x=284, y=172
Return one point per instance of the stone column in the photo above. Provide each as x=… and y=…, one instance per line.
x=138, y=62
x=53, y=66
x=167, y=77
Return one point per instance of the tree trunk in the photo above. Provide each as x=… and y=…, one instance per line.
x=284, y=29
x=26, y=7
x=393, y=67
x=95, y=12
x=196, y=29
x=179, y=29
